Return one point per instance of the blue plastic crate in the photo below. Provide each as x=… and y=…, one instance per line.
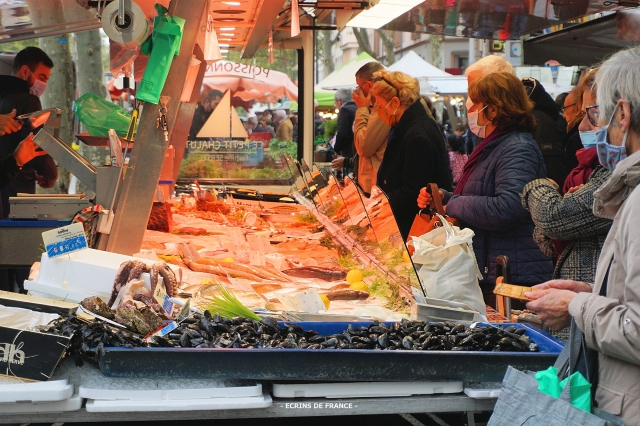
x=328, y=364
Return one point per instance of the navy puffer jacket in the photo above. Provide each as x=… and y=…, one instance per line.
x=490, y=205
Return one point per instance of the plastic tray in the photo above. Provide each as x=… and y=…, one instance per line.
x=26, y=392
x=168, y=390
x=483, y=390
x=363, y=389
x=328, y=365
x=72, y=404
x=261, y=401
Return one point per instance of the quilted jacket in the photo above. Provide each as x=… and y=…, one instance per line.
x=490, y=205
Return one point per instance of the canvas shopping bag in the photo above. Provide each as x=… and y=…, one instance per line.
x=520, y=403
x=447, y=265
x=424, y=221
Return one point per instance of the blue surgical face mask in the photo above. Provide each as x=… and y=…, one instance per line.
x=610, y=155
x=588, y=139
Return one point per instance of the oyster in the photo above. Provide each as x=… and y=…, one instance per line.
x=96, y=305
x=143, y=321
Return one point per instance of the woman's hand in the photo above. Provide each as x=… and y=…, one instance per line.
x=575, y=286
x=424, y=198
x=337, y=163
x=552, y=306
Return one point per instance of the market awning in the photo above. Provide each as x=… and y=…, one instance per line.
x=495, y=19
x=411, y=63
x=343, y=77
x=249, y=82
x=346, y=74
x=586, y=43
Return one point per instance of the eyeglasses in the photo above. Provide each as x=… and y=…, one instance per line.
x=593, y=113
x=564, y=108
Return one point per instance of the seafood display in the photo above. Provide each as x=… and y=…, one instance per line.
x=128, y=288
x=215, y=331
x=327, y=274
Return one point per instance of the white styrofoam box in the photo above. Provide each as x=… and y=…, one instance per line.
x=79, y=275
x=166, y=389
x=483, y=390
x=363, y=389
x=72, y=404
x=23, y=392
x=101, y=406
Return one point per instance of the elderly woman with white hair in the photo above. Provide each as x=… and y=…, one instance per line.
x=607, y=312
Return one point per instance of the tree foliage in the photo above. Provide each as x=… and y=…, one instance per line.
x=326, y=40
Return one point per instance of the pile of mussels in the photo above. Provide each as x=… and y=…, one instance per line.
x=206, y=331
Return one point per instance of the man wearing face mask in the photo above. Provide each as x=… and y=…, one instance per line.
x=370, y=132
x=20, y=92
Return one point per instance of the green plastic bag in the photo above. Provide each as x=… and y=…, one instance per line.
x=100, y=115
x=163, y=45
x=580, y=391
x=579, y=387
x=548, y=382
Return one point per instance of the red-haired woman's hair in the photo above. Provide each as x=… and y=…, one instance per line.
x=507, y=93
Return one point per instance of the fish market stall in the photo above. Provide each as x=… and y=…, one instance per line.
x=231, y=302
x=181, y=383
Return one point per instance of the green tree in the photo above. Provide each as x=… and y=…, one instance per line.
x=16, y=46
x=387, y=41
x=326, y=40
x=60, y=89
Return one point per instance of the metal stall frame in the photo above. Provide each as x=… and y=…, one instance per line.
x=134, y=200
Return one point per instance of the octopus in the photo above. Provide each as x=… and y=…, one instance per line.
x=128, y=285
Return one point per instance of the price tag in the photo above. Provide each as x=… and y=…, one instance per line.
x=185, y=311
x=160, y=294
x=64, y=240
x=167, y=329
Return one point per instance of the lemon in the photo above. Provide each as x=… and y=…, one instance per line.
x=325, y=300
x=406, y=257
x=360, y=285
x=228, y=259
x=354, y=275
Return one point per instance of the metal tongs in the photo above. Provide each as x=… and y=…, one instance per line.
x=33, y=120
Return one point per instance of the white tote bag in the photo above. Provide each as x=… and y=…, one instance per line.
x=447, y=265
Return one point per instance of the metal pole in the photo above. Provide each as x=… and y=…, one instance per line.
x=472, y=51
x=136, y=194
x=308, y=111
x=121, y=13
x=180, y=132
